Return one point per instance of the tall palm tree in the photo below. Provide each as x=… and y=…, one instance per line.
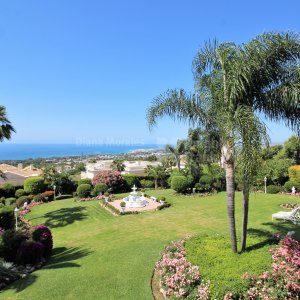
x=233, y=85
x=6, y=129
x=177, y=151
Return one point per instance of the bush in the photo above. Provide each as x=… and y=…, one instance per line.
x=206, y=179
x=19, y=193
x=100, y=188
x=84, y=190
x=11, y=242
x=113, y=179
x=85, y=181
x=43, y=235
x=34, y=185
x=294, y=173
x=179, y=183
x=7, y=218
x=8, y=190
x=131, y=180
x=147, y=184
x=47, y=196
x=20, y=202
x=10, y=201
x=30, y=252
x=289, y=184
x=273, y=189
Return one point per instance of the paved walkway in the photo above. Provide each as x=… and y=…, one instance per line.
x=152, y=205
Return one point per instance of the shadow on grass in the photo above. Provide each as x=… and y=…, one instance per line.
x=268, y=236
x=64, y=216
x=62, y=257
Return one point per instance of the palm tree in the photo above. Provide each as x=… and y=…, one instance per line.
x=118, y=164
x=177, y=151
x=6, y=129
x=233, y=84
x=156, y=172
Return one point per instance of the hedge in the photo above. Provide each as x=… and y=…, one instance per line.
x=294, y=173
x=179, y=183
x=34, y=185
x=84, y=190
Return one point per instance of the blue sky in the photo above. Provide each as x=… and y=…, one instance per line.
x=87, y=70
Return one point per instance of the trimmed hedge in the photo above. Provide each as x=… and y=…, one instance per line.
x=273, y=189
x=7, y=218
x=100, y=188
x=34, y=185
x=19, y=193
x=179, y=183
x=85, y=181
x=289, y=184
x=10, y=201
x=147, y=184
x=84, y=190
x=131, y=180
x=294, y=173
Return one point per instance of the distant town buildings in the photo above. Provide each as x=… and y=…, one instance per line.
x=131, y=167
x=17, y=175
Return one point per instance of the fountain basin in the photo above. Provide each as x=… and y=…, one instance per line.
x=135, y=202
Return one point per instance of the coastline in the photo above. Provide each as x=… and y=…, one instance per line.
x=22, y=152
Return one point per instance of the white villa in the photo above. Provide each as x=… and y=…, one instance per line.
x=131, y=167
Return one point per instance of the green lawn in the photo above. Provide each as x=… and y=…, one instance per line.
x=100, y=256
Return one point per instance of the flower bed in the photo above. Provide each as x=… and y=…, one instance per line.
x=178, y=277
x=26, y=209
x=289, y=205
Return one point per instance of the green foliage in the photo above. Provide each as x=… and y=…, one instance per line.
x=291, y=149
x=11, y=242
x=222, y=267
x=180, y=184
x=34, y=185
x=80, y=167
x=291, y=183
x=8, y=189
x=10, y=201
x=7, y=219
x=131, y=180
x=100, y=188
x=20, y=201
x=206, y=179
x=118, y=165
x=271, y=152
x=276, y=170
x=146, y=183
x=294, y=173
x=19, y=193
x=85, y=181
x=273, y=189
x=84, y=190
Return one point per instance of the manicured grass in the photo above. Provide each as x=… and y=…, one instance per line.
x=100, y=256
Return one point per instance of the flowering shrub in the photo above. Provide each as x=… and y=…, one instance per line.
x=178, y=277
x=102, y=197
x=30, y=252
x=113, y=179
x=283, y=282
x=43, y=235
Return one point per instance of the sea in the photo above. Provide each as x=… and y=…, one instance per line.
x=27, y=151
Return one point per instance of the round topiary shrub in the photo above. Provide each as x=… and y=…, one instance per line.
x=43, y=235
x=290, y=184
x=179, y=183
x=34, y=185
x=273, y=189
x=113, y=179
x=100, y=188
x=206, y=179
x=8, y=189
x=19, y=193
x=84, y=190
x=11, y=242
x=147, y=184
x=10, y=201
x=30, y=252
x=20, y=201
x=85, y=181
x=7, y=219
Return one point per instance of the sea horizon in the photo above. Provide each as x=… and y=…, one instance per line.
x=18, y=151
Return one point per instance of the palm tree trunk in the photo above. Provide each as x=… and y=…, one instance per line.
x=246, y=191
x=155, y=183
x=178, y=162
x=231, y=204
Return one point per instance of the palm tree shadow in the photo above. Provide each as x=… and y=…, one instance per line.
x=64, y=216
x=268, y=238
x=62, y=257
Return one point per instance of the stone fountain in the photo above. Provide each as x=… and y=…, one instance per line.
x=135, y=201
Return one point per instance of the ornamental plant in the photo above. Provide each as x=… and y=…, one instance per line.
x=178, y=277
x=113, y=179
x=43, y=235
x=30, y=252
x=34, y=185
